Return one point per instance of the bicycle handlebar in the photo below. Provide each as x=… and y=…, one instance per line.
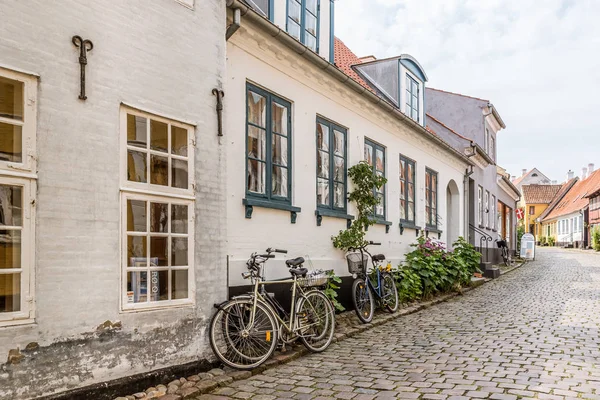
x=272, y=250
x=266, y=255
x=374, y=243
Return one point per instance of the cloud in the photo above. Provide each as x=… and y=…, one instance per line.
x=536, y=61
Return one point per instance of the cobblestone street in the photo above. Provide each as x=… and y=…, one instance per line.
x=533, y=333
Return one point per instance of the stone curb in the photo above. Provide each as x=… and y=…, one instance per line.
x=513, y=268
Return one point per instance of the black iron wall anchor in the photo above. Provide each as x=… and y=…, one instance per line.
x=220, y=94
x=84, y=46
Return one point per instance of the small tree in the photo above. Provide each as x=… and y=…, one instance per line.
x=596, y=238
x=363, y=196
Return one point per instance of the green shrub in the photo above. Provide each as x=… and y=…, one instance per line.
x=551, y=241
x=542, y=240
x=596, y=238
x=520, y=233
x=466, y=251
x=408, y=284
x=332, y=288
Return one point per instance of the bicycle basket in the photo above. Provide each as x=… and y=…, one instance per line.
x=355, y=264
x=501, y=243
x=314, y=278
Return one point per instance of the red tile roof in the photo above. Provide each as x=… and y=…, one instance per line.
x=559, y=196
x=575, y=199
x=539, y=194
x=344, y=59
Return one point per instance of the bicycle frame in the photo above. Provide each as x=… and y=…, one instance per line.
x=260, y=292
x=376, y=289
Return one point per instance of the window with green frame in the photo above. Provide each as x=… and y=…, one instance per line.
x=268, y=146
x=303, y=22
x=431, y=188
x=412, y=98
x=407, y=190
x=375, y=157
x=331, y=166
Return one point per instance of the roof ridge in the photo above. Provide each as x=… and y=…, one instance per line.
x=458, y=94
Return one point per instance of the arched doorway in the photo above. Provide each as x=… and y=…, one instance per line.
x=452, y=213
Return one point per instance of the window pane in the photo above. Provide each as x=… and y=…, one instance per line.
x=322, y=137
x=369, y=154
x=136, y=251
x=379, y=207
x=10, y=293
x=11, y=143
x=159, y=136
x=279, y=115
x=137, y=134
x=411, y=192
x=279, y=149
x=311, y=5
x=339, y=195
x=294, y=11
x=310, y=42
x=323, y=164
x=11, y=98
x=136, y=166
x=402, y=170
x=262, y=6
x=179, y=218
x=179, y=251
x=11, y=205
x=256, y=109
x=323, y=191
x=256, y=143
x=339, y=169
x=411, y=211
x=159, y=285
x=402, y=190
x=339, y=143
x=179, y=284
x=379, y=165
x=179, y=169
x=256, y=176
x=10, y=249
x=402, y=209
x=159, y=167
x=311, y=24
x=410, y=172
x=158, y=252
x=293, y=29
x=434, y=182
x=136, y=216
x=279, y=182
x=137, y=287
x=427, y=180
x=159, y=217
x=179, y=141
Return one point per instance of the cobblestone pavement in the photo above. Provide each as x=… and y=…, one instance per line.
x=532, y=333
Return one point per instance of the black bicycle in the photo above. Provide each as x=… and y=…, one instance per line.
x=378, y=281
x=504, y=249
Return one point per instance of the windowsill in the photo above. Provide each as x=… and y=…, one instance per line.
x=409, y=225
x=433, y=229
x=381, y=221
x=9, y=323
x=251, y=202
x=157, y=306
x=326, y=212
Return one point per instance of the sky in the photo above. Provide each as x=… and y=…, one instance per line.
x=537, y=61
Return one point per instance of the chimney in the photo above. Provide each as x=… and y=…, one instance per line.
x=367, y=59
x=583, y=173
x=590, y=168
x=512, y=178
x=570, y=175
x=523, y=172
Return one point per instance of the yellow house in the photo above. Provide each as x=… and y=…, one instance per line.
x=534, y=202
x=549, y=226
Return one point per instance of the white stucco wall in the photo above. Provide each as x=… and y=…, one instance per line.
x=160, y=56
x=313, y=93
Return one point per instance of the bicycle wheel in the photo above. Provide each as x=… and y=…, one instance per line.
x=316, y=321
x=363, y=301
x=505, y=256
x=238, y=342
x=389, y=293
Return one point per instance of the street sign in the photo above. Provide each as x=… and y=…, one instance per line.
x=528, y=246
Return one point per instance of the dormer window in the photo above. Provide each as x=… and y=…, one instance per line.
x=412, y=98
x=262, y=6
x=303, y=20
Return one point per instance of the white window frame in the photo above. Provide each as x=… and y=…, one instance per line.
x=156, y=193
x=480, y=203
x=24, y=175
x=486, y=202
x=419, y=97
x=494, y=217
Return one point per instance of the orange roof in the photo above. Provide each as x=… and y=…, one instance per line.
x=539, y=194
x=559, y=196
x=575, y=199
x=344, y=59
x=519, y=179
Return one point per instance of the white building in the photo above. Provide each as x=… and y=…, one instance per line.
x=295, y=123
x=113, y=240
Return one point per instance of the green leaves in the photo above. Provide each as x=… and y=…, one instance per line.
x=331, y=290
x=365, y=183
x=596, y=238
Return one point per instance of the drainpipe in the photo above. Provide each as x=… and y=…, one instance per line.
x=237, y=18
x=466, y=194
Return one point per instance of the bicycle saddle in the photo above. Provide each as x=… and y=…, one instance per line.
x=294, y=262
x=378, y=257
x=298, y=271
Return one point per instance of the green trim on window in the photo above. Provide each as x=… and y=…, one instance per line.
x=270, y=101
x=250, y=203
x=302, y=25
x=408, y=221
x=331, y=181
x=433, y=191
x=320, y=213
x=375, y=147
